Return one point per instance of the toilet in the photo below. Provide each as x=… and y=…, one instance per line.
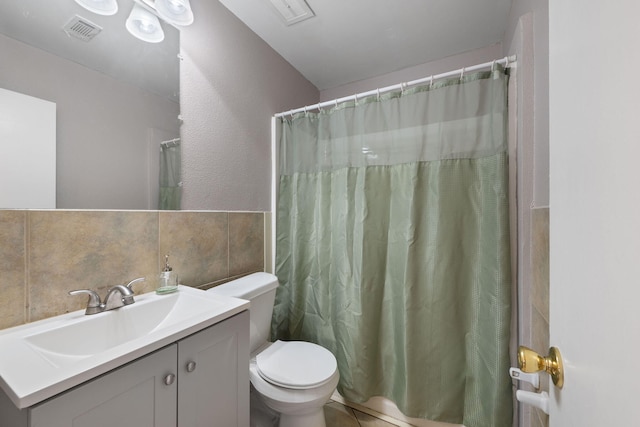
x=293, y=378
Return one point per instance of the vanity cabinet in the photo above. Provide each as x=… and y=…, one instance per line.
x=201, y=380
x=133, y=395
x=213, y=376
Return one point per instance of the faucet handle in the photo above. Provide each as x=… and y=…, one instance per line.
x=138, y=280
x=94, y=305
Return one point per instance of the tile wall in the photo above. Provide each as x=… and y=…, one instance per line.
x=540, y=298
x=44, y=254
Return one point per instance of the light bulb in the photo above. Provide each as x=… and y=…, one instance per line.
x=100, y=7
x=176, y=12
x=144, y=25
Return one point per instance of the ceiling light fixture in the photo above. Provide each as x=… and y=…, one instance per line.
x=176, y=12
x=144, y=25
x=101, y=7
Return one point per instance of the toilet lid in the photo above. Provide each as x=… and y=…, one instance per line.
x=296, y=364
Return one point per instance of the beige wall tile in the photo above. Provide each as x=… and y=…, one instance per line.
x=540, y=340
x=268, y=243
x=540, y=260
x=45, y=254
x=197, y=244
x=540, y=299
x=13, y=266
x=246, y=242
x=87, y=250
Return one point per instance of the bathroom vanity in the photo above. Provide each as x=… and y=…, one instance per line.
x=187, y=370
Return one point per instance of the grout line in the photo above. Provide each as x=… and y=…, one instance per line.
x=228, y=244
x=26, y=317
x=390, y=419
x=353, y=415
x=337, y=398
x=159, y=264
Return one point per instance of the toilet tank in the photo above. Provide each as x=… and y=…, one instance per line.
x=260, y=290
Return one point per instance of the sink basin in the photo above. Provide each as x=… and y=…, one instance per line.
x=52, y=355
x=90, y=335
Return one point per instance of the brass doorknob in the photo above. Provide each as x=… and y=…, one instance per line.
x=529, y=361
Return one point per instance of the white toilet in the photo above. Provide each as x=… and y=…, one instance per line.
x=293, y=378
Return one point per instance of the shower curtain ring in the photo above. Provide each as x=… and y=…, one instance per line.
x=431, y=82
x=506, y=65
x=461, y=73
x=493, y=66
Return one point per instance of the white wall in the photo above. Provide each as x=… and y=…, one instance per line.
x=539, y=10
x=102, y=131
x=454, y=62
x=231, y=84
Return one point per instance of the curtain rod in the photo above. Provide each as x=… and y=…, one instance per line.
x=170, y=143
x=506, y=61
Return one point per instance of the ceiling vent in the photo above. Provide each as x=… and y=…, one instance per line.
x=81, y=28
x=293, y=11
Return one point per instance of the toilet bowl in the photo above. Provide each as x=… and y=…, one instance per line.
x=293, y=378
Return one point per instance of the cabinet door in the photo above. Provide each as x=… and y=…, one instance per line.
x=134, y=395
x=214, y=375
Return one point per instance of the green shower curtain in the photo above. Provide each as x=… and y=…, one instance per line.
x=170, y=175
x=393, y=246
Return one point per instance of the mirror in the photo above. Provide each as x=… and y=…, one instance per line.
x=117, y=97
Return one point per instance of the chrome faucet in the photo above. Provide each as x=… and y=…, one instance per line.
x=117, y=296
x=94, y=305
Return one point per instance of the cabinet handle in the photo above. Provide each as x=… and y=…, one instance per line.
x=169, y=379
x=191, y=366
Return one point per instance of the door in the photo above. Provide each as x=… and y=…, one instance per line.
x=28, y=152
x=595, y=210
x=213, y=366
x=139, y=394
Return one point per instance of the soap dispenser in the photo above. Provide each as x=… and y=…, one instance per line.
x=168, y=279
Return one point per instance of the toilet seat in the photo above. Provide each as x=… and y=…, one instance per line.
x=296, y=365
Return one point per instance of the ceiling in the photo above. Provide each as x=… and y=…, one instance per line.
x=351, y=40
x=346, y=40
x=114, y=52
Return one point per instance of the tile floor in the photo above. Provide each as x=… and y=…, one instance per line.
x=338, y=415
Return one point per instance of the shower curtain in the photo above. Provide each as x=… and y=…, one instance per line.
x=392, y=246
x=170, y=175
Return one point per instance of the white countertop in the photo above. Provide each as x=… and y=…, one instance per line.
x=41, y=359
